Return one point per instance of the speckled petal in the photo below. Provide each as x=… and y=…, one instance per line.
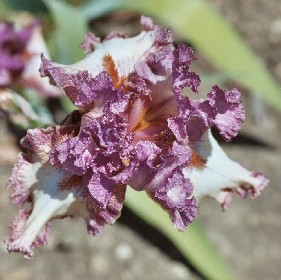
x=230, y=113
x=97, y=217
x=183, y=77
x=176, y=198
x=40, y=141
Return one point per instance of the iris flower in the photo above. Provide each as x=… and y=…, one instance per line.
x=21, y=45
x=134, y=127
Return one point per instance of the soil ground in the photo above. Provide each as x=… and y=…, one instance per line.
x=247, y=235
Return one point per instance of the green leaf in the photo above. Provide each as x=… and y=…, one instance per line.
x=193, y=243
x=70, y=25
x=99, y=8
x=32, y=6
x=198, y=22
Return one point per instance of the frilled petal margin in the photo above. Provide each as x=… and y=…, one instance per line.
x=162, y=178
x=229, y=111
x=52, y=194
x=220, y=177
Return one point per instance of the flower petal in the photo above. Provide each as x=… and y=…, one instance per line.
x=220, y=176
x=230, y=113
x=30, y=76
x=97, y=217
x=22, y=179
x=89, y=42
x=17, y=244
x=48, y=203
x=176, y=198
x=183, y=77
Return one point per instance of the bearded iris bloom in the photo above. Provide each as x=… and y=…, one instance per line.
x=21, y=45
x=133, y=127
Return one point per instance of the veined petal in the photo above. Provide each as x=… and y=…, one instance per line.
x=219, y=176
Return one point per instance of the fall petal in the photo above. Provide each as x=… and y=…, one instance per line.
x=96, y=217
x=220, y=176
x=176, y=198
x=229, y=109
x=22, y=179
x=48, y=202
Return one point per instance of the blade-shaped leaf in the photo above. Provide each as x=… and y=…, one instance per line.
x=32, y=6
x=193, y=243
x=71, y=25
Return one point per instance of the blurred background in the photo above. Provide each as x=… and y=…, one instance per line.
x=246, y=238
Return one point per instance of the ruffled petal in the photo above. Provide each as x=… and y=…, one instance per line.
x=183, y=77
x=97, y=217
x=22, y=179
x=230, y=114
x=17, y=244
x=194, y=119
x=117, y=56
x=176, y=198
x=219, y=176
x=162, y=178
x=48, y=202
x=40, y=141
x=89, y=42
x=75, y=154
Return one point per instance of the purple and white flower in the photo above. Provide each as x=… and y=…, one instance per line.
x=21, y=46
x=135, y=128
